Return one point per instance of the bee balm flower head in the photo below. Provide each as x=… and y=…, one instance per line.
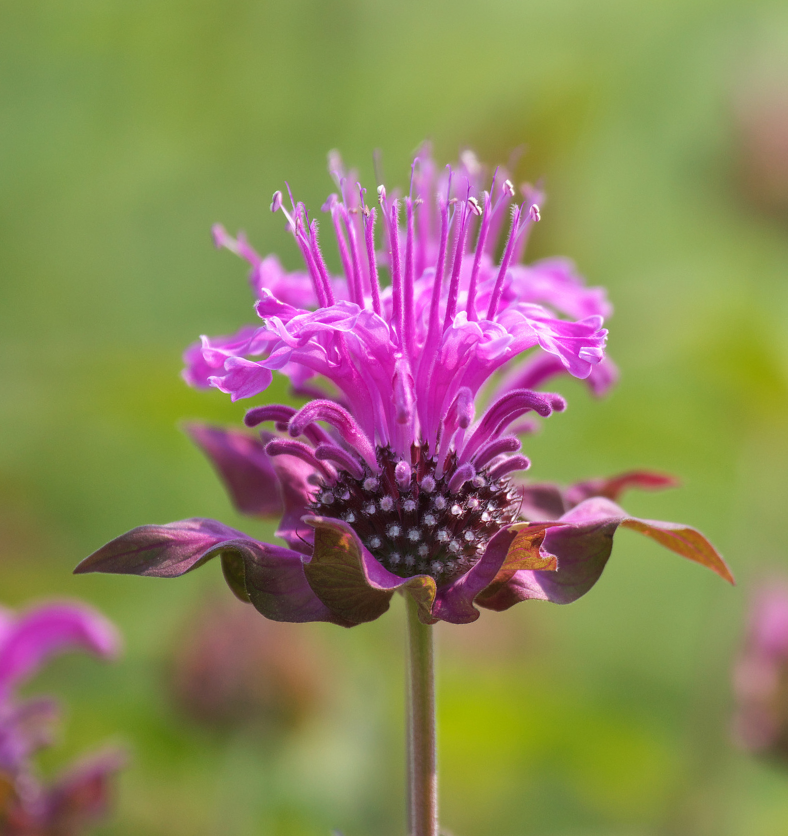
x=397, y=474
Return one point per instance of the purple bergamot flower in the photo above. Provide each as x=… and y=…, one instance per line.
x=80, y=796
x=412, y=484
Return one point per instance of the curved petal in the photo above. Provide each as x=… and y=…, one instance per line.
x=580, y=345
x=243, y=466
x=293, y=288
x=242, y=378
x=583, y=545
x=604, y=376
x=270, y=577
x=543, y=367
x=205, y=358
x=555, y=282
x=49, y=630
x=514, y=548
x=351, y=582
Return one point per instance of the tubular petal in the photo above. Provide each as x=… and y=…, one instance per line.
x=332, y=453
x=341, y=420
x=509, y=465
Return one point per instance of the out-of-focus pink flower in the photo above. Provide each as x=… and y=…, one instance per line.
x=760, y=677
x=762, y=132
x=232, y=669
x=30, y=639
x=80, y=796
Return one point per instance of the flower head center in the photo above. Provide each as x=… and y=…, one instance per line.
x=420, y=525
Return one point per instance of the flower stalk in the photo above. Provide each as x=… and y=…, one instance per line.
x=422, y=749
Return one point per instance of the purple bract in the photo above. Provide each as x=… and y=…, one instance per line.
x=403, y=488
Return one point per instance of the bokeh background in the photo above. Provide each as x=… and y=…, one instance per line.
x=661, y=130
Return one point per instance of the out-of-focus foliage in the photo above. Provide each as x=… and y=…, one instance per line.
x=126, y=129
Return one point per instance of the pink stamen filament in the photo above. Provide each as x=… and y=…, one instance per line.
x=321, y=264
x=344, y=254
x=306, y=251
x=423, y=189
x=356, y=218
x=440, y=267
x=483, y=230
x=522, y=240
x=396, y=272
x=498, y=213
x=308, y=246
x=246, y=251
x=507, y=257
x=288, y=216
x=354, y=255
x=369, y=240
x=459, y=252
x=408, y=313
x=223, y=239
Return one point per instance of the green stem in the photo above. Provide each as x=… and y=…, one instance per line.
x=422, y=755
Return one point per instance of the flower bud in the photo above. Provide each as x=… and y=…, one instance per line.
x=760, y=676
x=232, y=669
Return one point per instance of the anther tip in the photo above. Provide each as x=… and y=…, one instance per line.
x=276, y=201
x=508, y=188
x=535, y=214
x=475, y=207
x=381, y=193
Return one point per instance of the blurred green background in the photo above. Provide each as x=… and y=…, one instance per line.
x=128, y=128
